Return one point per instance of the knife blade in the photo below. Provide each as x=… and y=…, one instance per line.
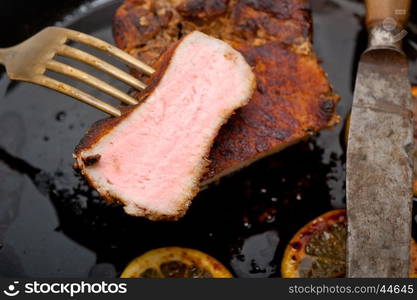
x=379, y=155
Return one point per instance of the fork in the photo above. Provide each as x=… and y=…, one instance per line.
x=30, y=60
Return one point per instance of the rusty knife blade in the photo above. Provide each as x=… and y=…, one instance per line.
x=379, y=167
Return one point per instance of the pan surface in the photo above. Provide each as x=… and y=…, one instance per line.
x=53, y=225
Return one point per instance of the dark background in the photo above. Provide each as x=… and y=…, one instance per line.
x=61, y=228
x=19, y=19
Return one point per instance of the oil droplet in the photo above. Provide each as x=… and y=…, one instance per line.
x=270, y=218
x=247, y=225
x=240, y=257
x=255, y=268
x=60, y=116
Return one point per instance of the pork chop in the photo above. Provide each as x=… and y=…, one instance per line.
x=153, y=157
x=293, y=99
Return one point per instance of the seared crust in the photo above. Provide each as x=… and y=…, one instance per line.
x=293, y=98
x=278, y=114
x=202, y=9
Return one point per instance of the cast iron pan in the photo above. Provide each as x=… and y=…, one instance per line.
x=52, y=224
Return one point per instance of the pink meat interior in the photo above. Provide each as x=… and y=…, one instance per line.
x=155, y=157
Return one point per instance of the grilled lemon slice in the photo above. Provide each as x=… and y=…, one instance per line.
x=319, y=249
x=175, y=262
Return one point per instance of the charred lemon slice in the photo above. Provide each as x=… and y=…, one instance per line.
x=174, y=262
x=319, y=249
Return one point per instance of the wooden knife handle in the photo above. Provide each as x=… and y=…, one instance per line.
x=378, y=12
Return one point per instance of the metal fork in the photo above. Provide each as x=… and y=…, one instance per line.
x=30, y=60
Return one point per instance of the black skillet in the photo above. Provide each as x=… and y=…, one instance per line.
x=52, y=224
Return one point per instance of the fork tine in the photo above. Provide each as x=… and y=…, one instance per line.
x=61, y=68
x=110, y=49
x=87, y=58
x=76, y=93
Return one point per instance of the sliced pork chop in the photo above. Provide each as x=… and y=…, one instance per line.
x=293, y=99
x=152, y=158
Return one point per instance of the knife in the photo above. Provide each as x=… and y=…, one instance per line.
x=379, y=155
